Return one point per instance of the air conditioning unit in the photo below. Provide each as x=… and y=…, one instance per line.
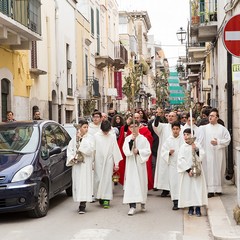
x=69, y=64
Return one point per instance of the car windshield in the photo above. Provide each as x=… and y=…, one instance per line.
x=21, y=139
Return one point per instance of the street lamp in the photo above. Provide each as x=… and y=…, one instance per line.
x=181, y=35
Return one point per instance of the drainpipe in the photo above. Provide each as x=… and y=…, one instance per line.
x=57, y=60
x=230, y=165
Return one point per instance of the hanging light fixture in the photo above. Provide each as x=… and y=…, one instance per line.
x=181, y=34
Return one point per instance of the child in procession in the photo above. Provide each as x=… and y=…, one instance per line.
x=107, y=157
x=192, y=188
x=80, y=157
x=170, y=154
x=137, y=151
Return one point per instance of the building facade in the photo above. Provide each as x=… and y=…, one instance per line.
x=18, y=29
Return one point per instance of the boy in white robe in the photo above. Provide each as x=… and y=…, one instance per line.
x=170, y=154
x=192, y=189
x=80, y=157
x=107, y=157
x=137, y=151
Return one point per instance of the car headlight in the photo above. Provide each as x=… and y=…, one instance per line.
x=23, y=174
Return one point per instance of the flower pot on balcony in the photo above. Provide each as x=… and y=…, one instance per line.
x=195, y=20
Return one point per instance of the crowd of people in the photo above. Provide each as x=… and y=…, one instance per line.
x=181, y=153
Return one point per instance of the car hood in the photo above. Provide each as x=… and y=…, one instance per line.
x=14, y=161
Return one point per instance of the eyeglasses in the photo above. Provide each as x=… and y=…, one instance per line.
x=184, y=117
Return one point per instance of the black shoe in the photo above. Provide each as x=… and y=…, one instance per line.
x=175, y=205
x=198, y=212
x=101, y=201
x=155, y=189
x=165, y=193
x=210, y=195
x=81, y=210
x=218, y=193
x=190, y=211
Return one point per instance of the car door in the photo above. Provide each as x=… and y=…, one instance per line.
x=60, y=174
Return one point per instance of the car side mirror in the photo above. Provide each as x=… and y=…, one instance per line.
x=55, y=150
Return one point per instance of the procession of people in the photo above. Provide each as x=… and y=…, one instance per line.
x=180, y=153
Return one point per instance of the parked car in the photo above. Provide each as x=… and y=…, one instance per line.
x=69, y=127
x=32, y=165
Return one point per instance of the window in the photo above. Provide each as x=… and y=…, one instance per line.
x=69, y=75
x=92, y=21
x=98, y=31
x=5, y=98
x=34, y=55
x=86, y=69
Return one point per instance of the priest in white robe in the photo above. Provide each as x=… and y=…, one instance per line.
x=137, y=151
x=81, y=168
x=214, y=138
x=107, y=157
x=163, y=130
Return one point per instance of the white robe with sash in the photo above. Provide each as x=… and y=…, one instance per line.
x=107, y=153
x=136, y=180
x=81, y=172
x=214, y=164
x=172, y=143
x=161, y=179
x=192, y=190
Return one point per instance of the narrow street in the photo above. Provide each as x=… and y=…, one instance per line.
x=64, y=223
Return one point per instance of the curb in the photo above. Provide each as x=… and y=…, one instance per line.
x=219, y=222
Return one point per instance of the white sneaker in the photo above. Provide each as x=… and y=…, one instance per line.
x=131, y=211
x=143, y=207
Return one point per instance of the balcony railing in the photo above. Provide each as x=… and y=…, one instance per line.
x=120, y=53
x=26, y=12
x=208, y=11
x=204, y=12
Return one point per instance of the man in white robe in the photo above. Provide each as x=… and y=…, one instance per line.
x=137, y=151
x=214, y=138
x=81, y=171
x=163, y=130
x=192, y=189
x=107, y=157
x=169, y=153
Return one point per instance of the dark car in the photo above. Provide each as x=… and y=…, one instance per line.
x=32, y=166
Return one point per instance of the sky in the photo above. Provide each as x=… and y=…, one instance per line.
x=166, y=17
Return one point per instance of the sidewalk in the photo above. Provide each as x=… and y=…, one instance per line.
x=220, y=214
x=217, y=220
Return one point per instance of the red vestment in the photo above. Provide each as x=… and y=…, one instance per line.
x=146, y=133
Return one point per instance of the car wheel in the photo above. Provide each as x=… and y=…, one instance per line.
x=69, y=191
x=42, y=205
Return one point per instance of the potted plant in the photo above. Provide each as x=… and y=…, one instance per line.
x=213, y=16
x=195, y=11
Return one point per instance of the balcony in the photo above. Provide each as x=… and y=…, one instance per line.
x=194, y=71
x=92, y=86
x=204, y=21
x=20, y=23
x=193, y=77
x=105, y=55
x=194, y=67
x=120, y=56
x=197, y=53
